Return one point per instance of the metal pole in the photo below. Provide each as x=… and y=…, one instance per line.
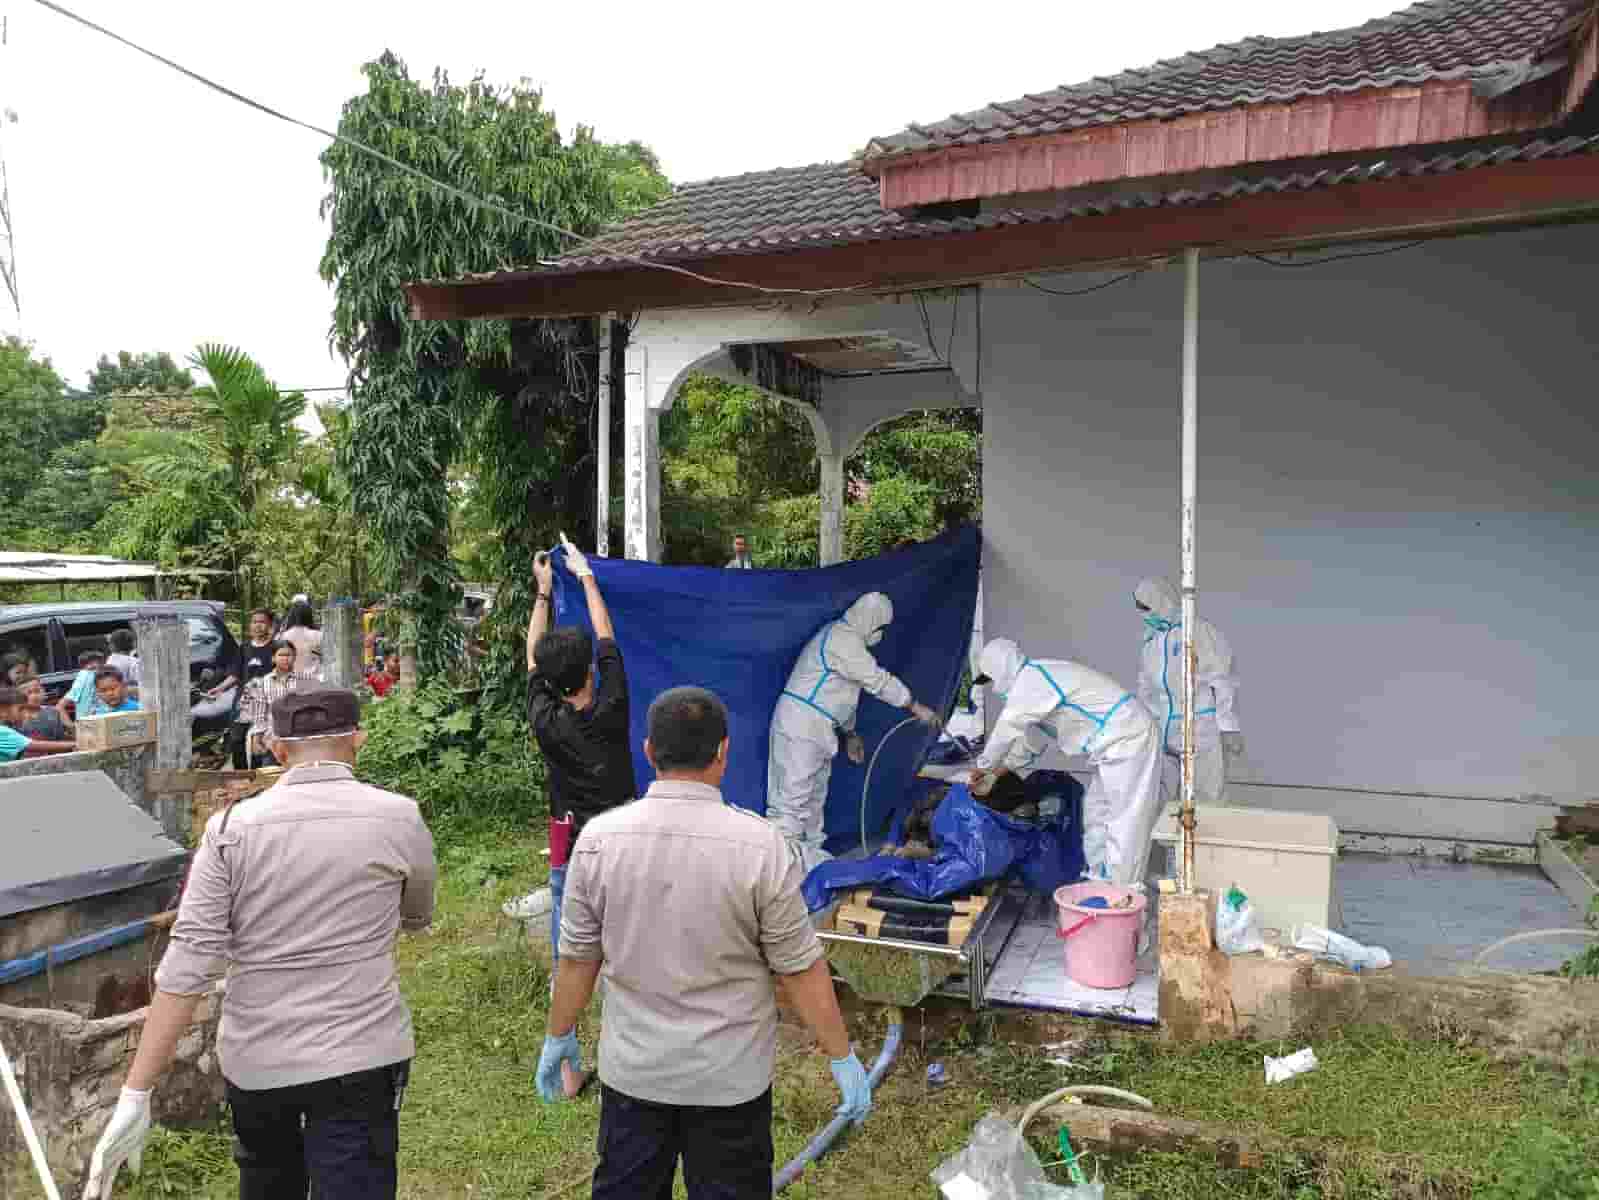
x=1189, y=552
x=29, y=1136
x=602, y=468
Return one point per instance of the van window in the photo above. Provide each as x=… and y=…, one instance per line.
x=205, y=638
x=88, y=635
x=31, y=641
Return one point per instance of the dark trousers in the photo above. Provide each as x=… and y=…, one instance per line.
x=337, y=1136
x=726, y=1151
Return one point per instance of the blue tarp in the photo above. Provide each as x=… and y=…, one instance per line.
x=974, y=844
x=739, y=633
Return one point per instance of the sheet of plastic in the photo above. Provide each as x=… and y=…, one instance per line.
x=972, y=845
x=739, y=633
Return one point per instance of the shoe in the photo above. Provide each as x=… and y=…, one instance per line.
x=531, y=906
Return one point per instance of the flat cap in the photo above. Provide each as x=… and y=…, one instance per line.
x=316, y=712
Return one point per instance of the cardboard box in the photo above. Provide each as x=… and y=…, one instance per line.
x=115, y=730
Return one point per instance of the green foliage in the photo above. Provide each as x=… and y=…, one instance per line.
x=468, y=766
x=510, y=400
x=1586, y=964
x=1543, y=1162
x=147, y=372
x=43, y=418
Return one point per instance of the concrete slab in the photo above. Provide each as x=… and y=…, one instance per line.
x=1434, y=915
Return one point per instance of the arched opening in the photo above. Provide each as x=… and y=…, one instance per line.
x=911, y=477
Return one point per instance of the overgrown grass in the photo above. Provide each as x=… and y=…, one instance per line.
x=1379, y=1111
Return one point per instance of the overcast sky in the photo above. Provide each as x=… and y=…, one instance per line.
x=152, y=214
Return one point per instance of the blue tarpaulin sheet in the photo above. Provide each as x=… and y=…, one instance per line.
x=974, y=844
x=739, y=633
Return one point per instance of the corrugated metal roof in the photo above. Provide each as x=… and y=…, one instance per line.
x=833, y=204
x=32, y=566
x=1493, y=42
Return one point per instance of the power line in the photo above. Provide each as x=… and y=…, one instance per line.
x=451, y=189
x=1332, y=258
x=1098, y=287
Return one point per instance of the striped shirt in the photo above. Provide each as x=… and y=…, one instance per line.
x=255, y=705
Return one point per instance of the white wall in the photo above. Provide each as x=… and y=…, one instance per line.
x=1399, y=510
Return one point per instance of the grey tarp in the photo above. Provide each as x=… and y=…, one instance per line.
x=67, y=837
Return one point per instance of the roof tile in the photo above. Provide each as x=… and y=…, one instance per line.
x=1432, y=39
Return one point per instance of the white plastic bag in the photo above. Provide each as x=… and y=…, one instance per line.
x=1324, y=943
x=1286, y=1067
x=998, y=1164
x=1237, y=924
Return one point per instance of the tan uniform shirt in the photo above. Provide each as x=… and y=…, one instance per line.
x=693, y=905
x=301, y=897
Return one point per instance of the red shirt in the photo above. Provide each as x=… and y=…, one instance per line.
x=380, y=682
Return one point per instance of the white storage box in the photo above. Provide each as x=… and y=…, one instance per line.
x=1283, y=861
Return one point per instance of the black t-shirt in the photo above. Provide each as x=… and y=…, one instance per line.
x=254, y=662
x=589, y=754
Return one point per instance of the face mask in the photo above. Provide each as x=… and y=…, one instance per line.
x=875, y=638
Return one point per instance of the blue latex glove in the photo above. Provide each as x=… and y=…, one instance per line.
x=851, y=1079
x=557, y=1050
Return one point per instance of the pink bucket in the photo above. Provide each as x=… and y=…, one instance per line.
x=1101, y=943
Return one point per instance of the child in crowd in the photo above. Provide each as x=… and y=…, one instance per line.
x=37, y=720
x=81, y=694
x=110, y=695
x=122, y=655
x=15, y=744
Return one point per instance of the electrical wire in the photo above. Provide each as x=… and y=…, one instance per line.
x=1316, y=262
x=1098, y=287
x=460, y=194
x=287, y=391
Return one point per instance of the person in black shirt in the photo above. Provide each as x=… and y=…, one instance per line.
x=577, y=709
x=253, y=661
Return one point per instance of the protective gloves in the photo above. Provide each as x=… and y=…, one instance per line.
x=557, y=1050
x=924, y=714
x=122, y=1142
x=1232, y=745
x=575, y=561
x=855, y=748
x=851, y=1079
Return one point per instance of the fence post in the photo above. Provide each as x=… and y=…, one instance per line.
x=164, y=689
x=341, y=644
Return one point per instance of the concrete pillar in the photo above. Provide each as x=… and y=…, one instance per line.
x=602, y=450
x=830, y=535
x=341, y=644
x=641, y=462
x=164, y=688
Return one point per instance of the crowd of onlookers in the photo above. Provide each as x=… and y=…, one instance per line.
x=277, y=657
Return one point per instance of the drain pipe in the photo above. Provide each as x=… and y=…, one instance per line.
x=823, y=1141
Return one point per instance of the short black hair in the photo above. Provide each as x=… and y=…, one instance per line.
x=564, y=656
x=272, y=617
x=122, y=641
x=10, y=697
x=110, y=673
x=274, y=647
x=687, y=726
x=299, y=616
x=89, y=657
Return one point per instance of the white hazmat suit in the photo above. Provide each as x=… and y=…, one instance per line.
x=1160, y=686
x=1084, y=713
x=823, y=692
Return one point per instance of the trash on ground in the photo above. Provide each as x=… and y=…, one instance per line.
x=998, y=1164
x=1237, y=923
x=1335, y=947
x=1279, y=1069
x=936, y=1075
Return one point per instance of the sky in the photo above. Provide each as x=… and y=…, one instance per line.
x=153, y=214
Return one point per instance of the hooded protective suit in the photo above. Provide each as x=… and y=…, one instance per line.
x=823, y=692
x=1160, y=686
x=1084, y=713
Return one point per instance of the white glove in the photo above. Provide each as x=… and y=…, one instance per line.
x=575, y=562
x=924, y=714
x=122, y=1142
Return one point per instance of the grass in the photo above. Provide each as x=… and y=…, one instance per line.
x=473, y=1126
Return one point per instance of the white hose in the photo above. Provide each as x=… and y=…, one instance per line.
x=28, y=1134
x=1591, y=934
x=1078, y=1089
x=866, y=784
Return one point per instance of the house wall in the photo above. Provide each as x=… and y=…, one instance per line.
x=1398, y=510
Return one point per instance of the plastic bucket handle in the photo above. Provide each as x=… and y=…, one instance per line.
x=1063, y=934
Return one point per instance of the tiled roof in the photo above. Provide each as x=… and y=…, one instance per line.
x=834, y=204
x=1491, y=41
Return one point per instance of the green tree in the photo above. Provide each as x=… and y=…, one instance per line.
x=199, y=498
x=510, y=400
x=42, y=416
x=146, y=372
